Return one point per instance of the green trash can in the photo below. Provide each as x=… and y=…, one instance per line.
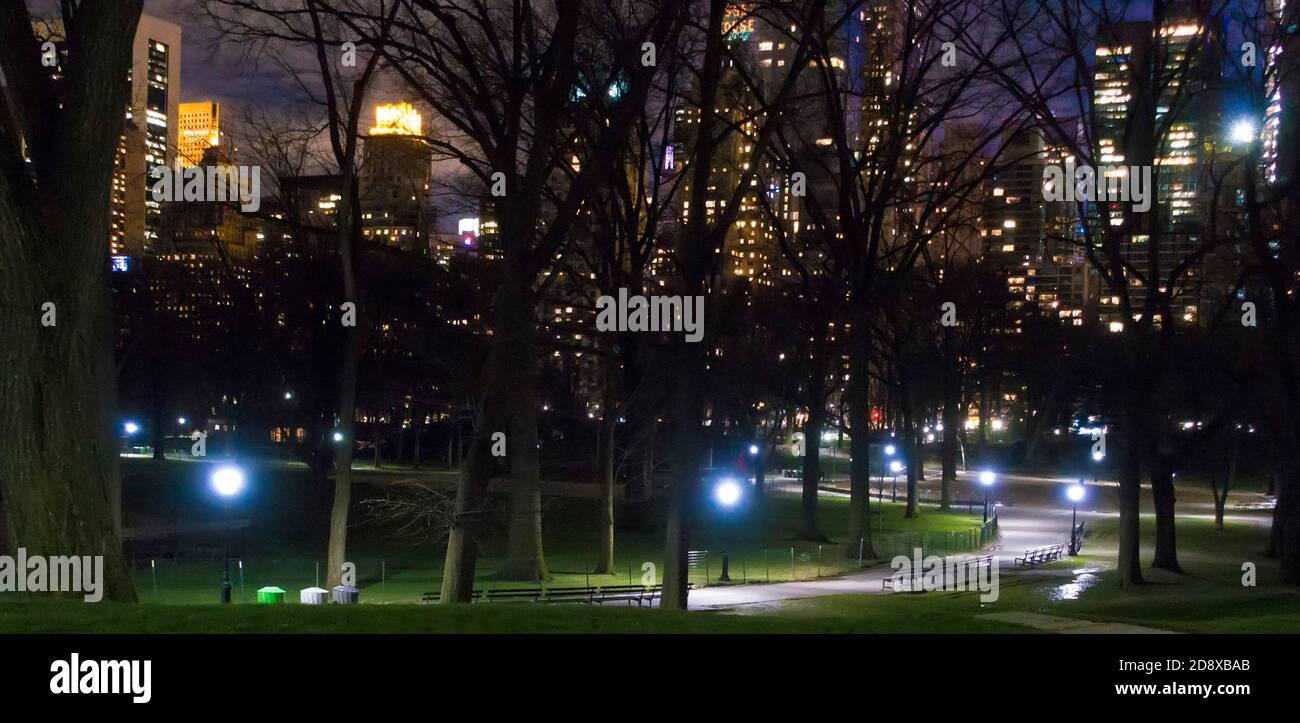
x=270, y=595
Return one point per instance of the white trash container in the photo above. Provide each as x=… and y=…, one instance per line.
x=346, y=594
x=313, y=596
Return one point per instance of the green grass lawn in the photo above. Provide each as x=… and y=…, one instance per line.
x=1208, y=598
x=848, y=616
x=289, y=511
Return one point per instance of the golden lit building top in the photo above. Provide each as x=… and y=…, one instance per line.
x=200, y=129
x=397, y=119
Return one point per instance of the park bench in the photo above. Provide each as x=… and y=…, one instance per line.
x=436, y=596
x=531, y=594
x=967, y=562
x=569, y=594
x=638, y=593
x=1039, y=555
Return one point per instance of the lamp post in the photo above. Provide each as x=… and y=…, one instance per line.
x=889, y=452
x=757, y=465
x=727, y=493
x=227, y=481
x=894, y=467
x=987, y=478
x=1075, y=493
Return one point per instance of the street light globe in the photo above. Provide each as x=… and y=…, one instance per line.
x=895, y=466
x=338, y=436
x=131, y=427
x=890, y=449
x=987, y=478
x=228, y=480
x=180, y=420
x=753, y=449
x=1098, y=456
x=1075, y=493
x=1243, y=131
x=727, y=493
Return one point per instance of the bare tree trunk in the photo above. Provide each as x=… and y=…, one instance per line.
x=605, y=469
x=1130, y=482
x=913, y=446
x=338, y=542
x=951, y=419
x=858, y=543
x=58, y=444
x=525, y=560
x=1162, y=492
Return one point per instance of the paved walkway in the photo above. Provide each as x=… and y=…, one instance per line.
x=1021, y=528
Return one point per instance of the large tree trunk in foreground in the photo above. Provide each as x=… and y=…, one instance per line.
x=507, y=399
x=1129, y=472
x=519, y=374
x=58, y=444
x=1162, y=492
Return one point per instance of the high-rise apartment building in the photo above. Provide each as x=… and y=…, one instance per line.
x=1169, y=71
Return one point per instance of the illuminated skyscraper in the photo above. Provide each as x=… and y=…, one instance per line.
x=394, y=179
x=150, y=136
x=200, y=129
x=1172, y=67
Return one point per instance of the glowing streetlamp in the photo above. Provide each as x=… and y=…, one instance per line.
x=130, y=428
x=753, y=450
x=987, y=478
x=895, y=467
x=228, y=482
x=727, y=492
x=1243, y=131
x=1076, y=493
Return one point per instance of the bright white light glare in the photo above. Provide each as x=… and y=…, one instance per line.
x=288, y=395
x=1075, y=493
x=1243, y=131
x=890, y=449
x=228, y=481
x=131, y=427
x=727, y=492
x=753, y=449
x=180, y=420
x=338, y=436
x=1098, y=456
x=987, y=478
x=828, y=436
x=997, y=425
x=895, y=466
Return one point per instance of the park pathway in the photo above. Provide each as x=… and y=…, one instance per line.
x=1020, y=528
